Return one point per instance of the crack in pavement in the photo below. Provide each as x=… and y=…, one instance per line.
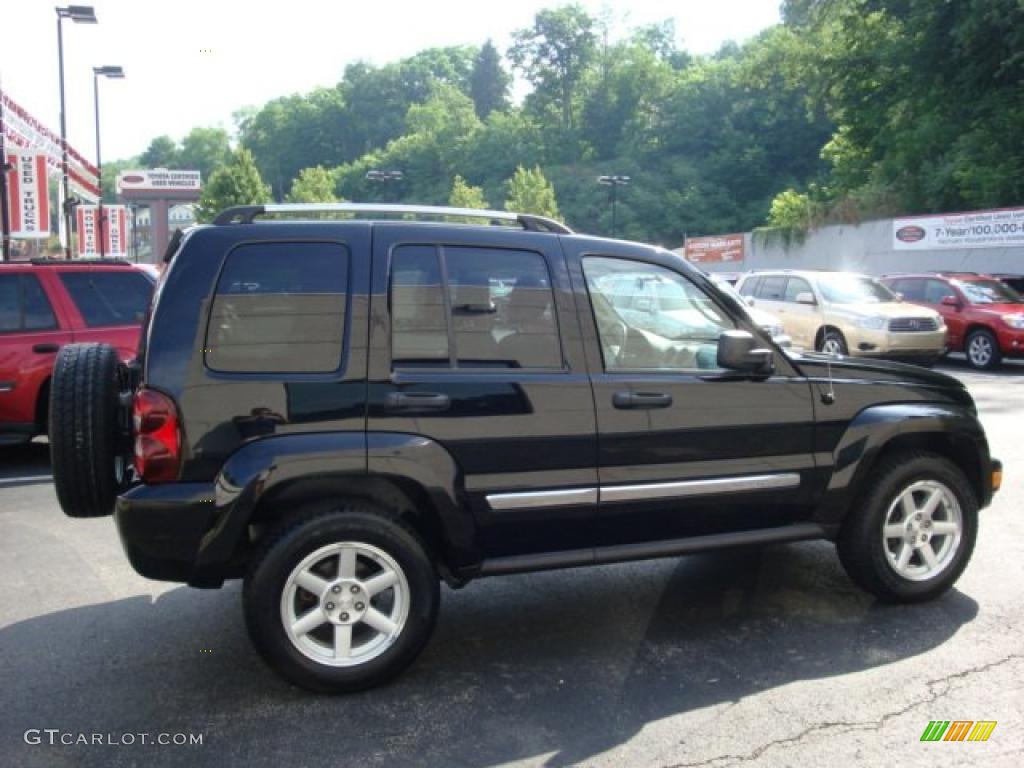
x=867, y=725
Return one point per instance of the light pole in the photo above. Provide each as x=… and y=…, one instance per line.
x=112, y=72
x=5, y=168
x=384, y=177
x=614, y=182
x=80, y=14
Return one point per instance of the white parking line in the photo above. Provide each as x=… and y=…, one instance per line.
x=26, y=479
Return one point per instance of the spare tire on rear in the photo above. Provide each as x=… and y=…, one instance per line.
x=88, y=436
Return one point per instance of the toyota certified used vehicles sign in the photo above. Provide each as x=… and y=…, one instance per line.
x=979, y=229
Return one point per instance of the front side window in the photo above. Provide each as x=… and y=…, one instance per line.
x=109, y=298
x=279, y=308
x=989, y=292
x=496, y=309
x=23, y=305
x=794, y=287
x=936, y=291
x=651, y=318
x=772, y=288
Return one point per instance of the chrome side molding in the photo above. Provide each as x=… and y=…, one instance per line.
x=573, y=497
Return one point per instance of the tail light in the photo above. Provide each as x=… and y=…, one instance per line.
x=157, y=440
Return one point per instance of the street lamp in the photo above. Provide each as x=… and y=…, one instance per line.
x=384, y=177
x=80, y=14
x=115, y=73
x=614, y=182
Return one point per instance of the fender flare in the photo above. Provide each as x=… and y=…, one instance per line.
x=876, y=427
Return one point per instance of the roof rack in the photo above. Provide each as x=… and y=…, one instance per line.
x=245, y=214
x=44, y=262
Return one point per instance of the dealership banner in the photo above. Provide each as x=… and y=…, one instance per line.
x=87, y=224
x=28, y=199
x=115, y=226
x=979, y=229
x=718, y=249
x=159, y=179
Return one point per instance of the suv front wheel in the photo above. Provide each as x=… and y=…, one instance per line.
x=342, y=600
x=982, y=350
x=914, y=530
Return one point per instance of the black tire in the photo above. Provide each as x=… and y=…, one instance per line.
x=982, y=350
x=865, y=554
x=834, y=336
x=87, y=451
x=284, y=549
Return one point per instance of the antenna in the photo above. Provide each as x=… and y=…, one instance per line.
x=829, y=397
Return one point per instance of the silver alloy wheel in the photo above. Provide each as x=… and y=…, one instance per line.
x=345, y=604
x=922, y=530
x=980, y=350
x=832, y=346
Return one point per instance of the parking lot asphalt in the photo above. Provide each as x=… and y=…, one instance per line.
x=751, y=657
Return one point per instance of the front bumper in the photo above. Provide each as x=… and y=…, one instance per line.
x=1012, y=343
x=884, y=343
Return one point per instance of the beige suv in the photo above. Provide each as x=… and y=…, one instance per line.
x=847, y=314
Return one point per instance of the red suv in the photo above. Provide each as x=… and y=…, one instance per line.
x=47, y=304
x=984, y=316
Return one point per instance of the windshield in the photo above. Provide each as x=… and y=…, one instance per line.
x=853, y=289
x=988, y=292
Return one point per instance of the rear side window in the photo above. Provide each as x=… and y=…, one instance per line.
x=109, y=298
x=469, y=307
x=911, y=290
x=23, y=305
x=749, y=287
x=936, y=290
x=279, y=308
x=771, y=288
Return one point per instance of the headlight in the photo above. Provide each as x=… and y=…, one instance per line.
x=873, y=323
x=1014, y=321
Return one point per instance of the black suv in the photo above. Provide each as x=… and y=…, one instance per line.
x=345, y=412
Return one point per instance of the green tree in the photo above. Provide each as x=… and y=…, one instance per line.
x=162, y=152
x=313, y=185
x=236, y=183
x=489, y=82
x=554, y=55
x=204, y=150
x=466, y=196
x=530, y=192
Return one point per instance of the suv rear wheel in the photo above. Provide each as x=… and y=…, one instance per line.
x=915, y=529
x=340, y=601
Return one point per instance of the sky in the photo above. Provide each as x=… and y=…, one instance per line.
x=192, y=62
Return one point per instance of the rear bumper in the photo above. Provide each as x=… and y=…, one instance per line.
x=162, y=529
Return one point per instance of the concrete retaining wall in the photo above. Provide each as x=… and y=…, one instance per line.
x=865, y=247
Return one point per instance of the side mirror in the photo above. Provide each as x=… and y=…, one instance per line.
x=740, y=351
x=951, y=301
x=806, y=298
x=898, y=295
x=749, y=300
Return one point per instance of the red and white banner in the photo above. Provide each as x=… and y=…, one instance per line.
x=87, y=224
x=115, y=226
x=28, y=199
x=24, y=131
x=115, y=230
x=715, y=249
x=1002, y=228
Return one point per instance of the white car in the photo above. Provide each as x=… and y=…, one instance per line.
x=762, y=318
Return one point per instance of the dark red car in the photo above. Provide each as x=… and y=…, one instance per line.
x=984, y=316
x=47, y=304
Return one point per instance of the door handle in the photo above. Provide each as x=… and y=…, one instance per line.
x=641, y=400
x=44, y=349
x=418, y=401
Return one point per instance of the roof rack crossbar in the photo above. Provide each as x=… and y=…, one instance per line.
x=246, y=214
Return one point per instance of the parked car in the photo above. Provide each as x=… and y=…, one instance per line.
x=45, y=304
x=339, y=413
x=843, y=313
x=985, y=316
x=765, y=320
